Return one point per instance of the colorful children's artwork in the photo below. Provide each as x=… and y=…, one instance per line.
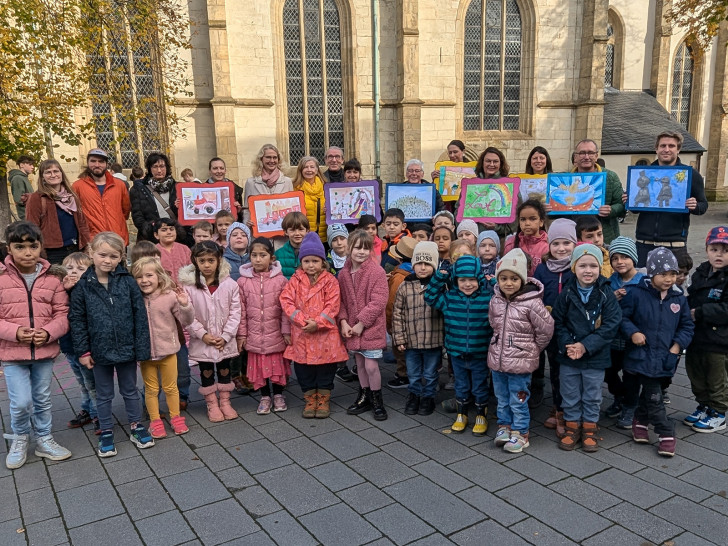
x=533, y=186
x=347, y=202
x=491, y=200
x=575, y=193
x=658, y=188
x=416, y=200
x=451, y=175
x=204, y=201
x=267, y=211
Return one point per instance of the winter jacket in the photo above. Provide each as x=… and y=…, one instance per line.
x=287, y=256
x=615, y=283
x=662, y=321
x=43, y=212
x=321, y=302
x=44, y=306
x=534, y=247
x=236, y=261
x=522, y=328
x=612, y=197
x=262, y=322
x=708, y=295
x=110, y=323
x=396, y=278
x=19, y=184
x=315, y=203
x=163, y=313
x=606, y=270
x=175, y=259
x=217, y=314
x=107, y=212
x=364, y=299
x=256, y=186
x=594, y=324
x=415, y=324
x=144, y=209
x=553, y=283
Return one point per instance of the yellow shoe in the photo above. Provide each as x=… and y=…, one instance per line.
x=460, y=424
x=481, y=426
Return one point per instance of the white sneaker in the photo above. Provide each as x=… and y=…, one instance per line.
x=47, y=447
x=18, y=450
x=713, y=422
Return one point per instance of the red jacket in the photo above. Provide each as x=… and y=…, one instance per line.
x=107, y=212
x=41, y=210
x=364, y=298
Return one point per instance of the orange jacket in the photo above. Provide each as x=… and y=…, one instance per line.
x=107, y=212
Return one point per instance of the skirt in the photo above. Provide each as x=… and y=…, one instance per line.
x=261, y=368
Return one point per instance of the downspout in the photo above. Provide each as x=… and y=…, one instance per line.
x=375, y=80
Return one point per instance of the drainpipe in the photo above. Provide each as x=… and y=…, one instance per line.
x=375, y=80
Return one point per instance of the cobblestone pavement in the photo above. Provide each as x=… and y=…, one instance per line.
x=280, y=479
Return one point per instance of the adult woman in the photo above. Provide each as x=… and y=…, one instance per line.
x=309, y=182
x=352, y=170
x=154, y=196
x=539, y=161
x=267, y=178
x=455, y=153
x=56, y=210
x=492, y=164
x=414, y=171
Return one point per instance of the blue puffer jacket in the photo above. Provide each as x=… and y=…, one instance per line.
x=662, y=321
x=110, y=324
x=553, y=283
x=236, y=261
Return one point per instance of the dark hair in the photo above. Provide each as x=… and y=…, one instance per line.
x=366, y=220
x=224, y=213
x=601, y=163
x=459, y=143
x=422, y=227
x=23, y=232
x=201, y=249
x=137, y=172
x=209, y=165
x=684, y=261
x=394, y=213
x=161, y=222
x=352, y=165
x=588, y=224
x=664, y=134
x=295, y=220
x=152, y=159
x=539, y=150
x=533, y=204
x=25, y=159
x=451, y=232
x=265, y=243
x=116, y=168
x=504, y=168
x=143, y=249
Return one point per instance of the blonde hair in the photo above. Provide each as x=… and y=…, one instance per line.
x=166, y=284
x=258, y=161
x=298, y=180
x=460, y=243
x=78, y=258
x=110, y=238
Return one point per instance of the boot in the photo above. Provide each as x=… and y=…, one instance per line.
x=427, y=406
x=536, y=393
x=461, y=421
x=481, y=424
x=323, y=409
x=413, y=404
x=311, y=398
x=213, y=408
x=550, y=421
x=560, y=425
x=362, y=403
x=380, y=414
x=589, y=438
x=224, y=390
x=572, y=436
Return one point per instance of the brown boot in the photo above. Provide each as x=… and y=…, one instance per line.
x=311, y=398
x=213, y=408
x=572, y=436
x=322, y=407
x=550, y=421
x=224, y=390
x=560, y=425
x=590, y=440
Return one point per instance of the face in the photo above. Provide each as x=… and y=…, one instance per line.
x=339, y=245
x=717, y=255
x=352, y=175
x=469, y=236
x=260, y=258
x=312, y=265
x=359, y=254
x=97, y=165
x=75, y=270
x=296, y=235
x=105, y=258
x=309, y=170
x=586, y=156
x=594, y=237
x=561, y=248
x=420, y=235
x=530, y=221
x=664, y=281
x=538, y=163
x=218, y=171
x=270, y=160
x=208, y=264
x=621, y=264
x=238, y=241
x=166, y=235
x=455, y=154
x=26, y=255
x=509, y=283
x=487, y=250
x=371, y=229
x=53, y=176
x=27, y=168
x=393, y=226
x=148, y=281
x=423, y=270
x=201, y=235
x=491, y=164
x=414, y=174
x=443, y=221
x=467, y=285
x=222, y=225
x=188, y=178
x=443, y=240
x=667, y=150
x=159, y=170
x=587, y=270
x=682, y=276
x=334, y=159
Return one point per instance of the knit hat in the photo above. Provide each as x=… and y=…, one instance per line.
x=717, y=236
x=624, y=245
x=311, y=246
x=404, y=248
x=661, y=260
x=445, y=213
x=562, y=228
x=467, y=225
x=233, y=227
x=586, y=249
x=426, y=253
x=336, y=230
x=493, y=236
x=467, y=266
x=515, y=261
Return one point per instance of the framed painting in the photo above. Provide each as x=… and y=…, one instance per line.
x=267, y=211
x=204, y=201
x=417, y=201
x=346, y=202
x=492, y=200
x=451, y=175
x=533, y=186
x=659, y=188
x=575, y=193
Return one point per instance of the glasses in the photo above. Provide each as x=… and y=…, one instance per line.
x=334, y=157
x=585, y=153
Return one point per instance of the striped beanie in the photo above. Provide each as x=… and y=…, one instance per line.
x=623, y=245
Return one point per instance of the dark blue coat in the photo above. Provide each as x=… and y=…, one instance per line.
x=662, y=321
x=110, y=324
x=708, y=295
x=551, y=281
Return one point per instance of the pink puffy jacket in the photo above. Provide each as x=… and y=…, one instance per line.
x=364, y=298
x=162, y=310
x=521, y=330
x=263, y=322
x=45, y=306
x=216, y=314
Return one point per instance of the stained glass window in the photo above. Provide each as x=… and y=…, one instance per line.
x=682, y=85
x=609, y=63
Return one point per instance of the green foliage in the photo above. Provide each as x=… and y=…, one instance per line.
x=700, y=18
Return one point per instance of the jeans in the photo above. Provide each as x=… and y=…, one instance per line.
x=315, y=376
x=126, y=377
x=471, y=378
x=581, y=391
x=511, y=390
x=85, y=378
x=423, y=364
x=29, y=390
x=651, y=408
x=183, y=371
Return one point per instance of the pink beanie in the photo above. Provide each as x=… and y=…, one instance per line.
x=562, y=228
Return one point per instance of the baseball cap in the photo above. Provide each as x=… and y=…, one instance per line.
x=97, y=152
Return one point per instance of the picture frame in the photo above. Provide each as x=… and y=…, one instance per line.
x=203, y=201
x=576, y=193
x=490, y=201
x=346, y=202
x=451, y=174
x=417, y=201
x=267, y=211
x=656, y=188
x=533, y=186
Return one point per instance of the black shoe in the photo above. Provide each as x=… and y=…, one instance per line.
x=362, y=403
x=413, y=404
x=345, y=375
x=536, y=397
x=615, y=410
x=380, y=414
x=427, y=406
x=398, y=382
x=665, y=398
x=83, y=418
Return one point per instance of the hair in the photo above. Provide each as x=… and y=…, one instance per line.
x=43, y=186
x=335, y=148
x=204, y=225
x=457, y=243
x=116, y=168
x=153, y=158
x=201, y=249
x=22, y=232
x=223, y=214
x=394, y=213
x=186, y=171
x=165, y=281
x=137, y=172
x=161, y=222
x=209, y=165
x=447, y=214
x=352, y=165
x=144, y=249
x=530, y=203
x=459, y=143
x=602, y=163
x=416, y=162
x=298, y=179
x=449, y=231
x=504, y=168
x=366, y=220
x=543, y=151
x=295, y=220
x=79, y=258
x=670, y=134
x=25, y=159
x=110, y=238
x=585, y=141
x=573, y=157
x=265, y=243
x=422, y=227
x=587, y=223
x=258, y=161
x=684, y=261
x=362, y=239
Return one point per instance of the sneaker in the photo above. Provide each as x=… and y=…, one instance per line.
x=450, y=385
x=625, y=420
x=345, y=375
x=265, y=405
x=666, y=447
x=83, y=418
x=106, y=444
x=700, y=413
x=449, y=405
x=398, y=382
x=640, y=433
x=615, y=410
x=713, y=422
x=97, y=426
x=18, y=450
x=665, y=397
x=412, y=405
x=156, y=428
x=47, y=447
x=502, y=436
x=517, y=442
x=179, y=425
x=279, y=403
x=141, y=437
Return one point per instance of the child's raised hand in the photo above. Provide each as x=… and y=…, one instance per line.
x=40, y=336
x=287, y=338
x=241, y=343
x=87, y=361
x=358, y=329
x=638, y=338
x=24, y=335
x=182, y=298
x=310, y=326
x=69, y=282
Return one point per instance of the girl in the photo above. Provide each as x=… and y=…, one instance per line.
x=264, y=330
x=443, y=236
x=216, y=299
x=311, y=301
x=368, y=223
x=236, y=252
x=522, y=327
x=111, y=334
x=530, y=235
x=309, y=182
x=488, y=248
x=165, y=307
x=364, y=297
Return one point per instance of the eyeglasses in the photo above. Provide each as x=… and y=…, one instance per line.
x=334, y=157
x=586, y=153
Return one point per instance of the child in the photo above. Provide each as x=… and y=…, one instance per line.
x=174, y=255
x=202, y=231
x=400, y=254
x=33, y=309
x=421, y=232
x=264, y=330
x=522, y=328
x=403, y=252
x=216, y=300
x=589, y=230
x=417, y=331
x=165, y=307
x=685, y=263
x=236, y=250
x=295, y=225
x=461, y=247
x=223, y=220
x=443, y=236
x=656, y=321
x=311, y=302
x=368, y=223
x=467, y=335
x=705, y=361
x=394, y=229
x=586, y=319
x=468, y=230
x=443, y=218
x=488, y=247
x=363, y=323
x=111, y=334
x=338, y=238
x=530, y=235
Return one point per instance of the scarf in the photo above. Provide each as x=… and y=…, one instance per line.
x=337, y=260
x=584, y=293
x=270, y=179
x=160, y=186
x=489, y=267
x=559, y=266
x=65, y=200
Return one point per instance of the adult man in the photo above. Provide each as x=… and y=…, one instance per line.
x=669, y=229
x=334, y=162
x=20, y=184
x=218, y=172
x=586, y=154
x=105, y=199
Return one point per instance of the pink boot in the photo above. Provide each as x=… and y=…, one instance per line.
x=224, y=389
x=213, y=409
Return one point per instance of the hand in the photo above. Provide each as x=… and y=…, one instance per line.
x=605, y=210
x=358, y=329
x=402, y=348
x=489, y=225
x=24, y=197
x=547, y=207
x=691, y=204
x=620, y=293
x=69, y=282
x=346, y=331
x=435, y=174
x=241, y=343
x=638, y=338
x=575, y=351
x=692, y=314
x=24, y=335
x=310, y=326
x=219, y=343
x=182, y=297
x=40, y=336
x=249, y=223
x=207, y=339
x=87, y=361
x=444, y=272
x=675, y=349
x=624, y=198
x=177, y=203
x=287, y=338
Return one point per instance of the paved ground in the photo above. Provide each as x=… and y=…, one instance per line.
x=280, y=479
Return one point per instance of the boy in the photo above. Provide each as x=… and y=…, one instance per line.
x=417, y=331
x=589, y=230
x=394, y=229
x=142, y=249
x=295, y=225
x=488, y=248
x=202, y=231
x=706, y=357
x=174, y=255
x=402, y=254
x=338, y=237
x=443, y=218
x=656, y=320
x=421, y=232
x=468, y=230
x=223, y=219
x=236, y=251
x=685, y=264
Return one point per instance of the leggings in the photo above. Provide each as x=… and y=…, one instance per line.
x=207, y=372
x=167, y=368
x=367, y=370
x=265, y=389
